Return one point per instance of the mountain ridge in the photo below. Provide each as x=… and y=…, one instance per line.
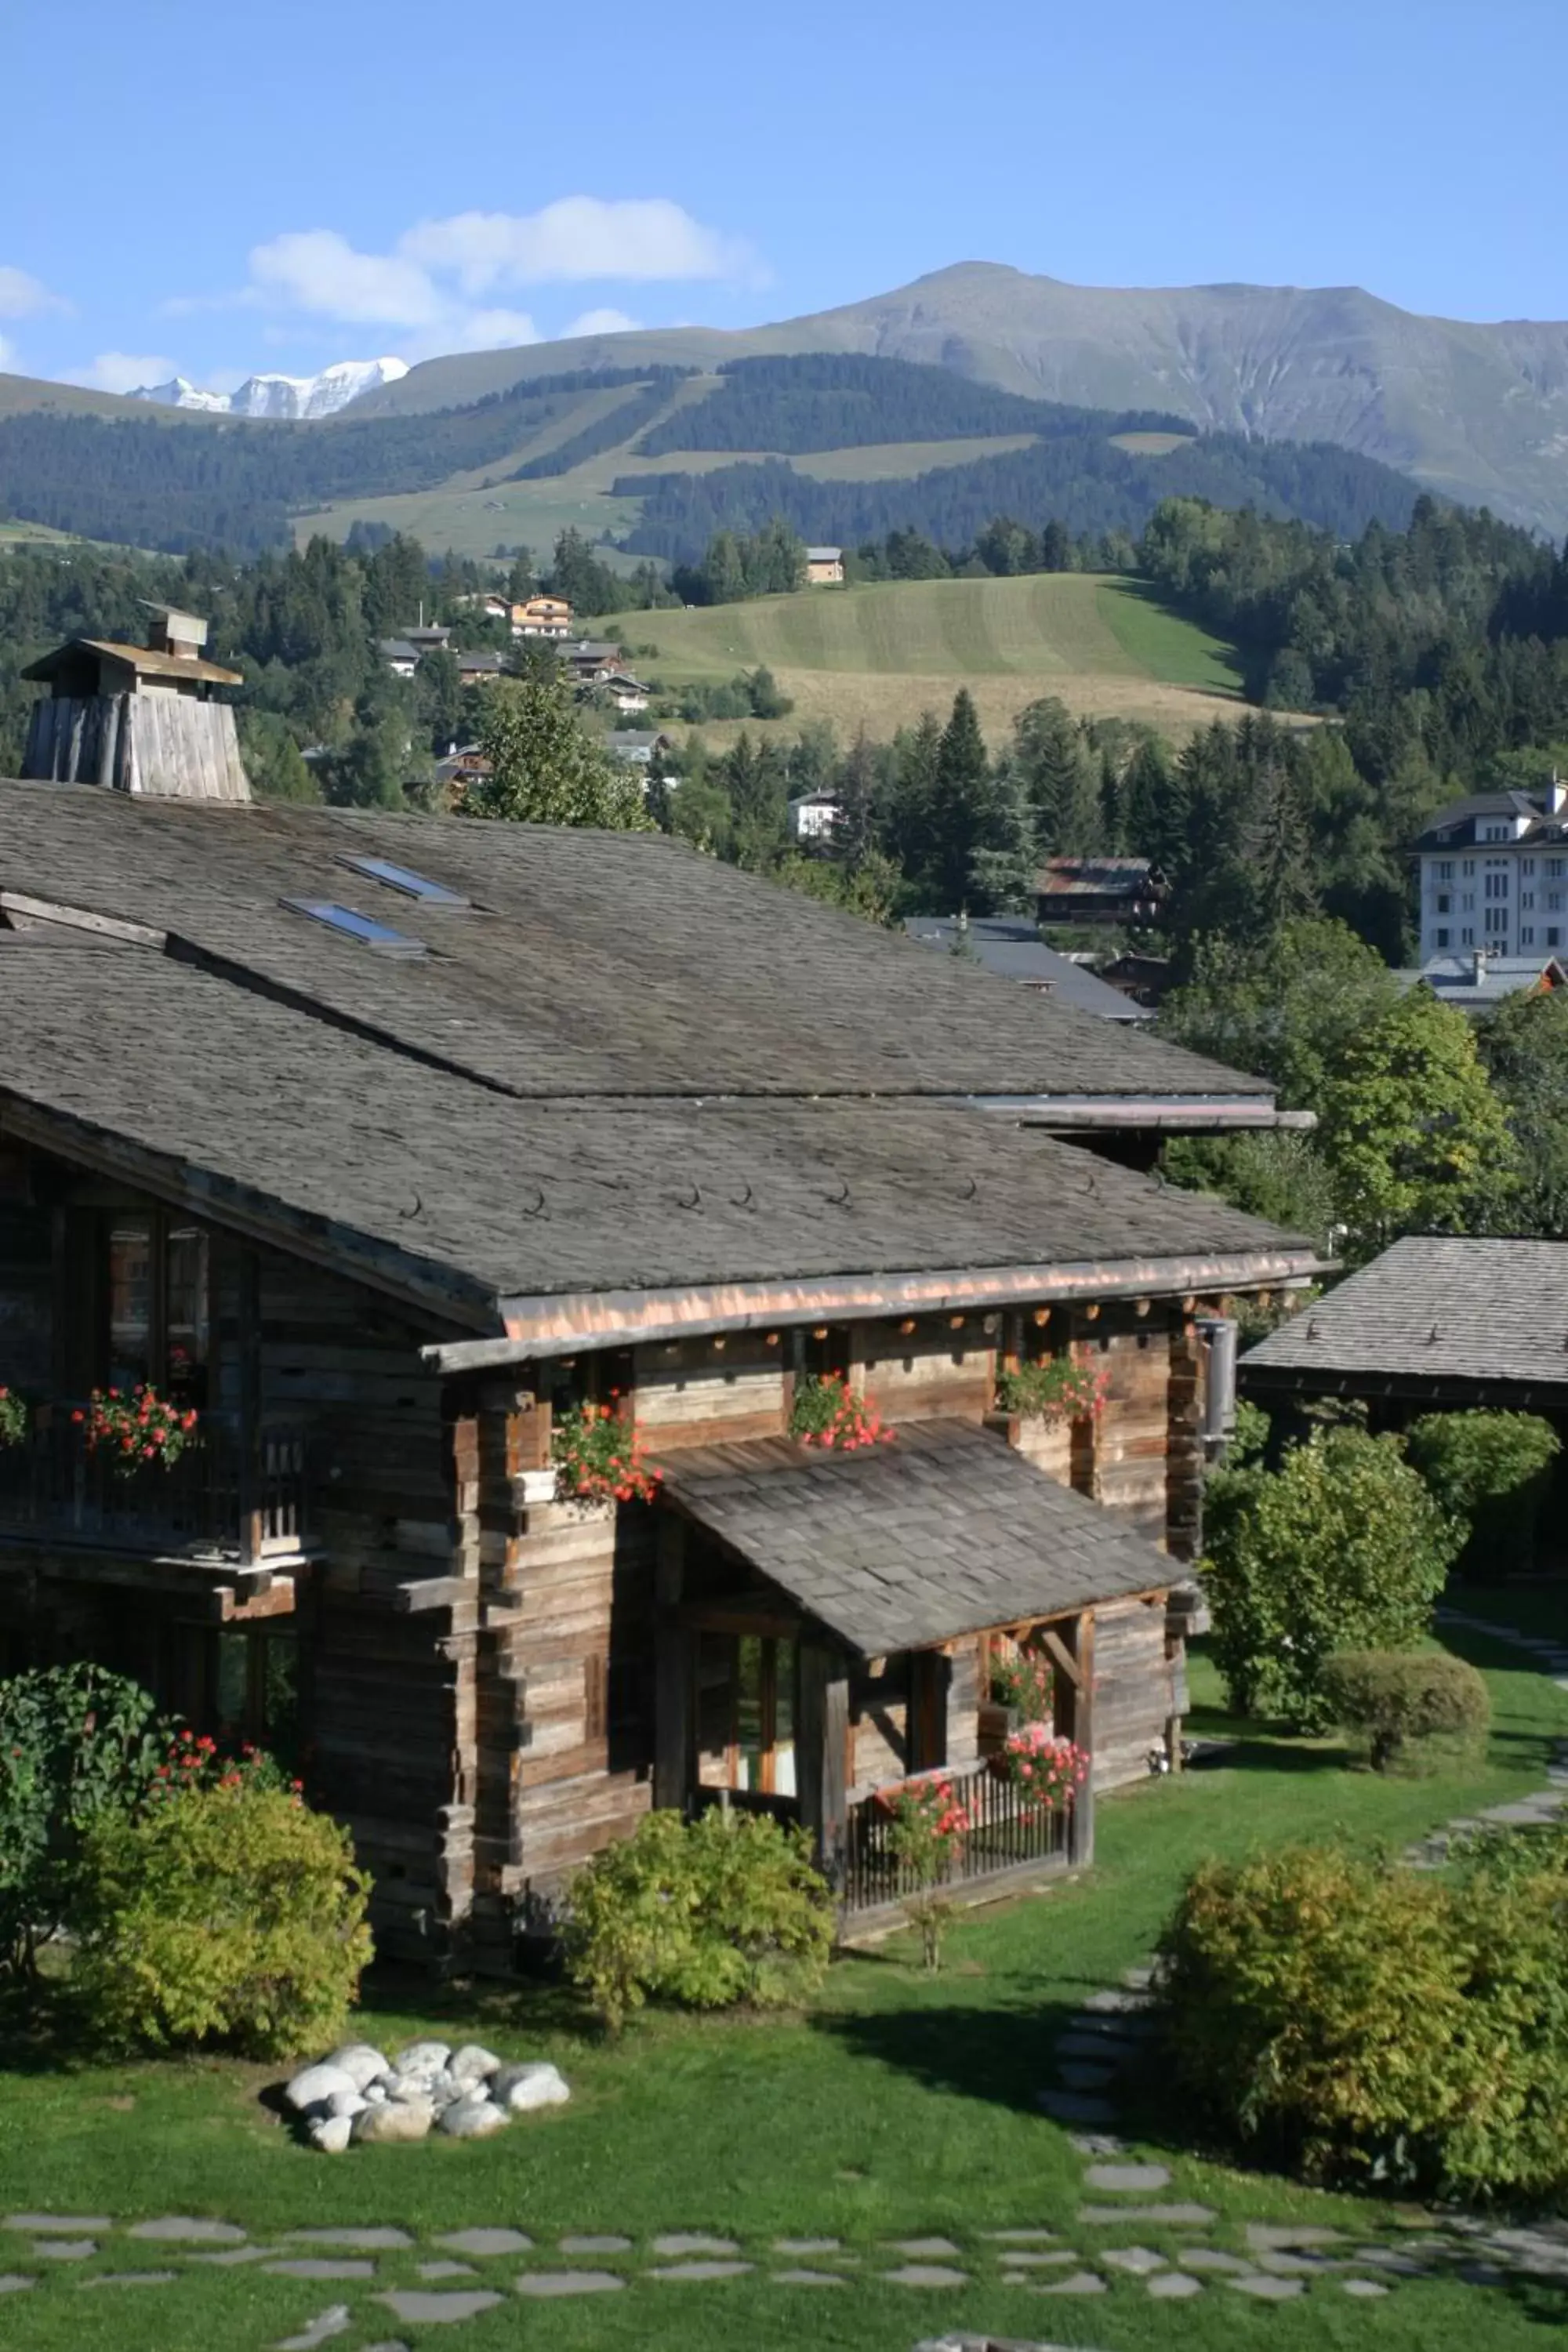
x=1476, y=412
x=291, y=399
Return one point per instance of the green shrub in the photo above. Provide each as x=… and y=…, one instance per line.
x=1413, y=1708
x=1341, y=1546
x=724, y=1909
x=1491, y=1470
x=1360, y=2023
x=74, y=1740
x=226, y=1914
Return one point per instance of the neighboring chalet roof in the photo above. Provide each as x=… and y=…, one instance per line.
x=572, y=1221
x=628, y=740
x=399, y=649
x=1099, y=878
x=1455, y=827
x=1431, y=1311
x=591, y=963
x=139, y=658
x=1015, y=950
x=824, y=554
x=1475, y=979
x=943, y=1534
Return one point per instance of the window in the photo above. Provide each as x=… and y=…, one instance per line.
x=1467, y=937
x=1468, y=866
x=1554, y=867
x=1445, y=870
x=1527, y=865
x=1496, y=922
x=1525, y=898
x=157, y=1305
x=1554, y=900
x=745, y=1713
x=372, y=934
x=1497, y=885
x=1468, y=902
x=1440, y=938
x=1527, y=934
x=402, y=878
x=1554, y=935
x=1443, y=907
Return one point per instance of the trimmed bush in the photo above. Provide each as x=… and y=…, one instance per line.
x=710, y=1913
x=225, y=1915
x=1414, y=1709
x=1362, y=2024
x=1491, y=1470
x=1341, y=1548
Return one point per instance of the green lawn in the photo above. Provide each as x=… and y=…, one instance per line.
x=901, y=2107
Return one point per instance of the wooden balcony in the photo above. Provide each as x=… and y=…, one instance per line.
x=1006, y=1840
x=222, y=1500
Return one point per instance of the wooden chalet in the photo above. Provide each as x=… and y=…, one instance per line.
x=382, y=1141
x=1099, y=890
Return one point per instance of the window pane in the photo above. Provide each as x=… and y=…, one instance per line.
x=188, y=1343
x=784, y=1721
x=130, y=1301
x=749, y=1713
x=230, y=1699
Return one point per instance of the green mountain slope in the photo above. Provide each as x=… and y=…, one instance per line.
x=1478, y=412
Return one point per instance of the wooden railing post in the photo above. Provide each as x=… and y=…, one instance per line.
x=248, y=1279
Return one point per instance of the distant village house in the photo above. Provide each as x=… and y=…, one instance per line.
x=824, y=567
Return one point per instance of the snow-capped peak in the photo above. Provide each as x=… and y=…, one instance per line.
x=287, y=396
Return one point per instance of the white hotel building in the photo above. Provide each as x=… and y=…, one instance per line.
x=1494, y=875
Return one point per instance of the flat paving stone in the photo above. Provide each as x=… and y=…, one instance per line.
x=919, y=2249
x=232, y=2256
x=605, y=2244
x=1131, y=2179
x=189, y=2230
x=926, y=2275
x=701, y=2270
x=1021, y=2237
x=694, y=2241
x=544, y=2285
x=1020, y=2260
x=1212, y=2258
x=1080, y=2282
x=446, y=2270
x=1389, y=2258
x=1286, y=2264
x=1078, y=2075
x=1140, y=2260
x=806, y=2246
x=131, y=2278
x=13, y=2283
x=486, y=2241
x=1364, y=2289
x=1076, y=2107
x=1274, y=2234
x=809, y=2278
x=1169, y=2216
x=326, y=2324
x=1264, y=2288
x=65, y=2225
x=368, y=2241
x=1096, y=2144
x=321, y=2266
x=1118, y=2000
x=430, y=2310
x=64, y=2250
x=1172, y=2287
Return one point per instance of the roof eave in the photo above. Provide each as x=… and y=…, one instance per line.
x=559, y=1323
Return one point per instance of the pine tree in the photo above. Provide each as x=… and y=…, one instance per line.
x=961, y=806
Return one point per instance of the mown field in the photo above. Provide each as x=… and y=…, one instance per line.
x=877, y=656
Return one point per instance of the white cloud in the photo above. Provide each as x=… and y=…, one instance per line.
x=319, y=272
x=436, y=289
x=124, y=371
x=578, y=237
x=23, y=296
x=601, y=322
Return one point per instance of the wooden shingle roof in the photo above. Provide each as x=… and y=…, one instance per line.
x=946, y=1532
x=1433, y=1308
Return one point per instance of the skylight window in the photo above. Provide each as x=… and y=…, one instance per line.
x=403, y=877
x=372, y=934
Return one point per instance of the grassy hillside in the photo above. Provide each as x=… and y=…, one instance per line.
x=877, y=656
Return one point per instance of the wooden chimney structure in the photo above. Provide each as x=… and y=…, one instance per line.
x=138, y=719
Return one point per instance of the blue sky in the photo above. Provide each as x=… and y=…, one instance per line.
x=282, y=185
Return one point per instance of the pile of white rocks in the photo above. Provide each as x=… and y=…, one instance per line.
x=356, y=2093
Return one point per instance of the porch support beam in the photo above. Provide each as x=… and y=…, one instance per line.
x=674, y=1646
x=821, y=1747
x=1080, y=1730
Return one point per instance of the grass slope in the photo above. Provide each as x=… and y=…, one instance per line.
x=877, y=655
x=900, y=2106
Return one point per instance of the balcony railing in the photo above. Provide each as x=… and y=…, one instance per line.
x=219, y=1499
x=1004, y=1835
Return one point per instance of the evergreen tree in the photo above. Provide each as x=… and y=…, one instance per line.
x=1060, y=775
x=961, y=808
